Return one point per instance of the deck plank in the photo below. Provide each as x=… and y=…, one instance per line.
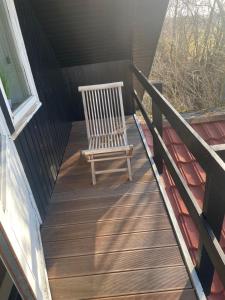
x=112, y=243
x=114, y=262
x=113, y=240
x=172, y=295
x=112, y=227
x=113, y=284
x=106, y=213
x=106, y=201
x=86, y=191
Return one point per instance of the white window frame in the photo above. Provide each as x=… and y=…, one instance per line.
x=22, y=115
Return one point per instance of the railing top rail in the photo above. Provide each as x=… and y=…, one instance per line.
x=205, y=155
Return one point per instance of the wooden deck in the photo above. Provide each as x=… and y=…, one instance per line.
x=113, y=240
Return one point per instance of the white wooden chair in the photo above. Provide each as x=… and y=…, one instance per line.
x=106, y=128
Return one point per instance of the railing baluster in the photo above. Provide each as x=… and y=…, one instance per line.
x=157, y=121
x=214, y=214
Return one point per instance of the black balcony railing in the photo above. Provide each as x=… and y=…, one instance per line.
x=208, y=220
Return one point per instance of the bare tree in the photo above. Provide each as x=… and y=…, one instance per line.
x=190, y=59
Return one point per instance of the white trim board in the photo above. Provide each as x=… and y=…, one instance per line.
x=13, y=267
x=20, y=223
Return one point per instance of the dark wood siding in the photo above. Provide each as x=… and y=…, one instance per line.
x=96, y=31
x=97, y=74
x=42, y=143
x=87, y=32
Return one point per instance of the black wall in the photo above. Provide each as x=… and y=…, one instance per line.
x=90, y=31
x=96, y=74
x=42, y=143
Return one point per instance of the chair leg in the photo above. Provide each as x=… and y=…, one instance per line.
x=129, y=169
x=93, y=172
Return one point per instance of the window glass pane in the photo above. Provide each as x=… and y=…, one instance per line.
x=11, y=72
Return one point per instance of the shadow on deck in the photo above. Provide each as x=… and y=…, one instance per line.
x=113, y=240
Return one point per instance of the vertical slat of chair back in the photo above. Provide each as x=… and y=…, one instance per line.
x=123, y=128
x=103, y=109
x=86, y=114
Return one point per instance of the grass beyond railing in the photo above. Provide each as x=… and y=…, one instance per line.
x=209, y=220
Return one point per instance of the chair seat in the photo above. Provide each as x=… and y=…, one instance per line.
x=107, y=141
x=108, y=144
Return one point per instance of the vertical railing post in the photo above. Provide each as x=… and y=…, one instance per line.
x=157, y=122
x=213, y=212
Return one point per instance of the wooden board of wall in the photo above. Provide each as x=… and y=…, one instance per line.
x=42, y=142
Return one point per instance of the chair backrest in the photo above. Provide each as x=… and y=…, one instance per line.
x=103, y=109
